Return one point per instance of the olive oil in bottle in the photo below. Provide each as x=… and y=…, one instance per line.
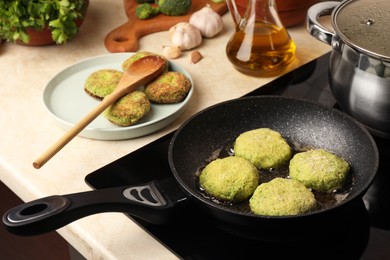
x=264, y=51
x=260, y=46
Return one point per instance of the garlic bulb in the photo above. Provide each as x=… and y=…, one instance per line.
x=185, y=36
x=207, y=21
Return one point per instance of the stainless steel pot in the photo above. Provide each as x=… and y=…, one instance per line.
x=359, y=69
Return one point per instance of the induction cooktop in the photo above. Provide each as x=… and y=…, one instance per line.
x=361, y=233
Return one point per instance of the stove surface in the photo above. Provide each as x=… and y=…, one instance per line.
x=362, y=233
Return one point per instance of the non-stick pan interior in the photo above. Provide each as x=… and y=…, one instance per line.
x=298, y=121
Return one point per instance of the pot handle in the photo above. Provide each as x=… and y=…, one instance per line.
x=151, y=202
x=314, y=27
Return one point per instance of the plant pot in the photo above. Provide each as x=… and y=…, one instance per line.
x=291, y=12
x=43, y=37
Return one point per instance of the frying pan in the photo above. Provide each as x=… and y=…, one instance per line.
x=208, y=131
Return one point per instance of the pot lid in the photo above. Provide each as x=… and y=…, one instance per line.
x=365, y=24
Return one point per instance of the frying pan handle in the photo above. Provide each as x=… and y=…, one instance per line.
x=50, y=213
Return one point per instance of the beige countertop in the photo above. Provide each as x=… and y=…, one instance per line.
x=27, y=129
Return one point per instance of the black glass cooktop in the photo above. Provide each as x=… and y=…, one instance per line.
x=361, y=233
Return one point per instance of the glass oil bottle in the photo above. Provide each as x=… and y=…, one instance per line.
x=260, y=46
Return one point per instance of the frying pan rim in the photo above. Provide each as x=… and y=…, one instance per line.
x=192, y=193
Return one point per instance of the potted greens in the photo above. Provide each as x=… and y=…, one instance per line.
x=41, y=22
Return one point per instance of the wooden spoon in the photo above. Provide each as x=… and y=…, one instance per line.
x=138, y=73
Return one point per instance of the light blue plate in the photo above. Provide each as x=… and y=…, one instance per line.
x=67, y=102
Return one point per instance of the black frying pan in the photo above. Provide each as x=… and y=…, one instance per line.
x=216, y=127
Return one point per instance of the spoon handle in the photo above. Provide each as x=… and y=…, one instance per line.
x=75, y=130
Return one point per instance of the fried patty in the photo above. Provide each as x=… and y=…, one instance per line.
x=264, y=147
x=282, y=197
x=319, y=170
x=129, y=109
x=231, y=179
x=102, y=82
x=170, y=87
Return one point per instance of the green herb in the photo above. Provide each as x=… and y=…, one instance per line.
x=60, y=16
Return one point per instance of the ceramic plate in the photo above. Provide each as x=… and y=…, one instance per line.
x=67, y=102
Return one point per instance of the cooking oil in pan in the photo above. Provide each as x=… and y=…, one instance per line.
x=324, y=200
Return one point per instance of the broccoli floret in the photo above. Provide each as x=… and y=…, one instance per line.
x=174, y=7
x=146, y=10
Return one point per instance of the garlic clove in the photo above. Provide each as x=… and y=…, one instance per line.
x=195, y=57
x=171, y=52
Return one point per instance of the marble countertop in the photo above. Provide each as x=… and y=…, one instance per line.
x=27, y=130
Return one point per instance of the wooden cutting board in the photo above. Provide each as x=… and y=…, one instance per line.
x=125, y=37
